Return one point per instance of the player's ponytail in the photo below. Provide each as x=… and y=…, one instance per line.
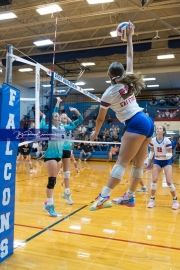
x=134, y=82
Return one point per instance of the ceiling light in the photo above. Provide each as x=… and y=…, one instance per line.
x=155, y=85
x=91, y=2
x=80, y=83
x=113, y=34
x=88, y=64
x=7, y=15
x=25, y=69
x=166, y=56
x=60, y=91
x=48, y=9
x=149, y=79
x=108, y=81
x=43, y=42
x=46, y=85
x=88, y=89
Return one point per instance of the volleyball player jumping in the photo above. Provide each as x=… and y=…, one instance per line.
x=120, y=97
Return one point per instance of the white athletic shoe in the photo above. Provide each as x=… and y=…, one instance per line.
x=79, y=160
x=175, y=205
x=31, y=171
x=67, y=198
x=151, y=203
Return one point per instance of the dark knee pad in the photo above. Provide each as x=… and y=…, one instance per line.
x=51, y=182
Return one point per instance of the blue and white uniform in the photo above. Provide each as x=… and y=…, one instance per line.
x=127, y=110
x=161, y=147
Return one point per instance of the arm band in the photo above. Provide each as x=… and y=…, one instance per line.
x=151, y=155
x=169, y=155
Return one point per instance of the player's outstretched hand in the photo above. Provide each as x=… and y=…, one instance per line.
x=58, y=99
x=130, y=29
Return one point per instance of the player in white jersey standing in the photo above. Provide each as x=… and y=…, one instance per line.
x=161, y=148
x=120, y=97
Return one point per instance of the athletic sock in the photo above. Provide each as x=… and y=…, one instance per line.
x=106, y=191
x=67, y=191
x=130, y=193
x=50, y=201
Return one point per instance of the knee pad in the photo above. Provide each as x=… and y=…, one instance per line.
x=51, y=182
x=153, y=186
x=117, y=171
x=172, y=187
x=67, y=174
x=136, y=172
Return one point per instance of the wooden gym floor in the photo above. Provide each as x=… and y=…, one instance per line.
x=117, y=238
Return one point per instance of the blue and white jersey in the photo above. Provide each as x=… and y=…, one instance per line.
x=161, y=147
x=124, y=108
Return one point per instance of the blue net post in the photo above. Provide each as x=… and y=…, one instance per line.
x=9, y=123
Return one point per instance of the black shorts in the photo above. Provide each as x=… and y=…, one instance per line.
x=56, y=159
x=24, y=156
x=66, y=154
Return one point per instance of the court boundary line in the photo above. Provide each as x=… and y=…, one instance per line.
x=49, y=227
x=94, y=236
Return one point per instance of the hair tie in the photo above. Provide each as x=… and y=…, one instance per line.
x=117, y=77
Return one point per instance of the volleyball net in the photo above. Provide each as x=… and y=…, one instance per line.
x=58, y=87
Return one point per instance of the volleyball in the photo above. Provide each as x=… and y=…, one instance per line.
x=121, y=31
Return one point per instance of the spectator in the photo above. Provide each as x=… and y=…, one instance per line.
x=115, y=138
x=177, y=148
x=62, y=110
x=106, y=132
x=171, y=101
x=77, y=145
x=95, y=145
x=86, y=148
x=177, y=99
x=42, y=149
x=118, y=130
x=25, y=127
x=113, y=151
x=167, y=113
x=95, y=117
x=153, y=102
x=33, y=109
x=162, y=101
x=82, y=131
x=104, y=145
x=86, y=138
x=90, y=125
x=171, y=114
x=109, y=119
x=174, y=143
